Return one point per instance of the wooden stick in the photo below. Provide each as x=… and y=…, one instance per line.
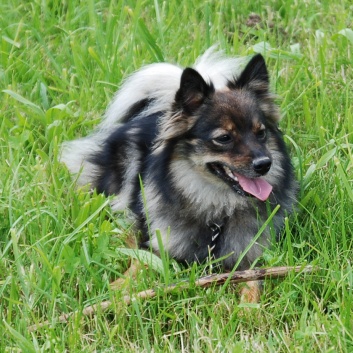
x=206, y=281
x=218, y=279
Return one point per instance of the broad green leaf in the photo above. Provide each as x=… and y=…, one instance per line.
x=146, y=257
x=348, y=33
x=24, y=101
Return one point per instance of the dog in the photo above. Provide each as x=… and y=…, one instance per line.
x=196, y=153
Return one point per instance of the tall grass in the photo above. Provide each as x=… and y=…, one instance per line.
x=60, y=64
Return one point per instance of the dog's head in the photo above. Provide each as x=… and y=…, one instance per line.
x=227, y=133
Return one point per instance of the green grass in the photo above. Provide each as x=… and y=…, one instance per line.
x=60, y=63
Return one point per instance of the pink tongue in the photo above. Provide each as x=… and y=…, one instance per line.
x=257, y=187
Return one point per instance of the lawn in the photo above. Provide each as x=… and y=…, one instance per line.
x=60, y=64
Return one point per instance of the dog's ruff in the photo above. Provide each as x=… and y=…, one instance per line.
x=203, y=140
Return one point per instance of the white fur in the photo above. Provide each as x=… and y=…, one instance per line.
x=159, y=82
x=75, y=155
x=216, y=68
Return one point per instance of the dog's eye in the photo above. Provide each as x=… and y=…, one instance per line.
x=261, y=134
x=223, y=139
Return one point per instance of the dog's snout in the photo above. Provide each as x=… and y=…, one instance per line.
x=262, y=165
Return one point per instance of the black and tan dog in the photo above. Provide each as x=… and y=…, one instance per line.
x=205, y=143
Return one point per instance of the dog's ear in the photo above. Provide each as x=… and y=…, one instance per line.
x=192, y=92
x=189, y=98
x=254, y=77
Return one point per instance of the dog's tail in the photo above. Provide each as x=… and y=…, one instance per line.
x=156, y=86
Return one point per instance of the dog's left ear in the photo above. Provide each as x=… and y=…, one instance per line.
x=254, y=77
x=193, y=91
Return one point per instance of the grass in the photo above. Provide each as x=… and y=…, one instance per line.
x=60, y=63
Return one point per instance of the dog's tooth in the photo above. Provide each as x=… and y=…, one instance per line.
x=231, y=175
x=228, y=171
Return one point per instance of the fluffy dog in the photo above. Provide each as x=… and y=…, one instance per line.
x=196, y=153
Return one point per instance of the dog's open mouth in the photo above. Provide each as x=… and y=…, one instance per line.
x=244, y=186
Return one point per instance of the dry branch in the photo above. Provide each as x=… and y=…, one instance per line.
x=206, y=281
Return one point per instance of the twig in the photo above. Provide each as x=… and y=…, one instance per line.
x=206, y=281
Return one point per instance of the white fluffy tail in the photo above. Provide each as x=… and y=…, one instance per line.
x=160, y=82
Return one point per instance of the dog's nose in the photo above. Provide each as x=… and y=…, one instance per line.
x=262, y=165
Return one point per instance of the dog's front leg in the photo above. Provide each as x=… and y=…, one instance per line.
x=251, y=292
